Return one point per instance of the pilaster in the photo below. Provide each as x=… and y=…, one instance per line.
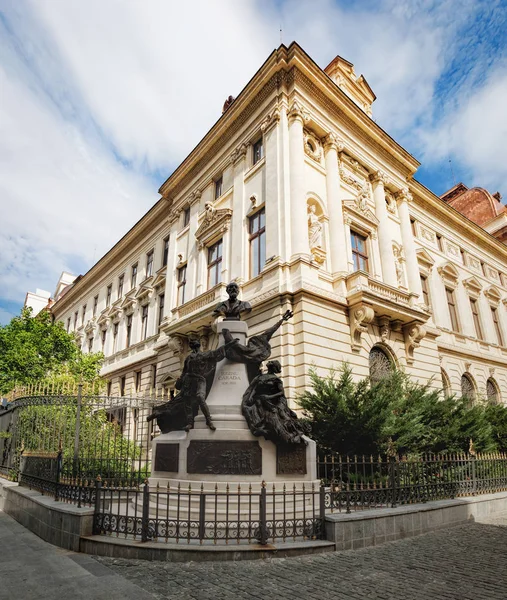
x=413, y=275
x=384, y=234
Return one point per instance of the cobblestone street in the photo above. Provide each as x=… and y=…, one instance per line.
x=463, y=563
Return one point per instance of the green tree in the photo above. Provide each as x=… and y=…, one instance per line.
x=33, y=349
x=362, y=417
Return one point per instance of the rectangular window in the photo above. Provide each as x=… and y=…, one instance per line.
x=109, y=385
x=121, y=279
x=144, y=322
x=108, y=294
x=165, y=252
x=133, y=276
x=90, y=344
x=68, y=325
x=218, y=187
x=257, y=230
x=138, y=381
x=95, y=304
x=425, y=290
x=154, y=376
x=186, y=216
x=359, y=251
x=75, y=319
x=440, y=243
x=496, y=322
x=258, y=151
x=182, y=282
x=115, y=337
x=215, y=264
x=451, y=303
x=83, y=314
x=161, y=300
x=129, y=330
x=149, y=264
x=103, y=338
x=414, y=229
x=477, y=320
x=122, y=386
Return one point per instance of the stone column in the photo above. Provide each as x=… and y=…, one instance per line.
x=192, y=249
x=274, y=231
x=413, y=274
x=337, y=241
x=239, y=267
x=298, y=213
x=384, y=231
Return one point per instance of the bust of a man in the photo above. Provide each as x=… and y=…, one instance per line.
x=233, y=308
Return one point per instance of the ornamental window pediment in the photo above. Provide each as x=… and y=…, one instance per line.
x=360, y=215
x=493, y=294
x=473, y=286
x=449, y=274
x=160, y=278
x=215, y=222
x=103, y=320
x=115, y=313
x=90, y=327
x=425, y=261
x=144, y=294
x=129, y=302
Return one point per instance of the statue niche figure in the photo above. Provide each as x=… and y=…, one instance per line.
x=266, y=410
x=232, y=309
x=194, y=385
x=256, y=350
x=314, y=228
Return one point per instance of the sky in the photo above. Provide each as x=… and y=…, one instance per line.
x=101, y=100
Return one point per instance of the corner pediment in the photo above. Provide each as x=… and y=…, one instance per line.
x=449, y=274
x=214, y=224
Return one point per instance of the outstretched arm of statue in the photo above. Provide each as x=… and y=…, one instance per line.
x=219, y=353
x=269, y=332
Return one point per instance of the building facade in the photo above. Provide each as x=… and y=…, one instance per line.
x=301, y=198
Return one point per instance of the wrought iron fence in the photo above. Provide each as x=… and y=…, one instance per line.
x=95, y=435
x=233, y=514
x=358, y=483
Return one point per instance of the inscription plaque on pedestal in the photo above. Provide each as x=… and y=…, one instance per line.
x=290, y=459
x=224, y=458
x=167, y=457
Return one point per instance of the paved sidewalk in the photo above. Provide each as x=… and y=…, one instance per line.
x=31, y=569
x=462, y=563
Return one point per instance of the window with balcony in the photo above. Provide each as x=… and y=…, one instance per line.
x=257, y=151
x=133, y=276
x=121, y=279
x=144, y=322
x=257, y=231
x=215, y=264
x=476, y=318
x=165, y=251
x=496, y=323
x=359, y=251
x=149, y=263
x=182, y=283
x=218, y=187
x=161, y=300
x=451, y=304
x=129, y=331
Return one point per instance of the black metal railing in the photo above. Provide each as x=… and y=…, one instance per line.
x=229, y=515
x=358, y=483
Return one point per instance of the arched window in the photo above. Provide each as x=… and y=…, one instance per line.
x=446, y=384
x=381, y=364
x=492, y=391
x=467, y=387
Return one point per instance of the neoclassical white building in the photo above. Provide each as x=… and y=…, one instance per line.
x=300, y=197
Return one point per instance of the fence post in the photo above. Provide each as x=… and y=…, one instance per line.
x=98, y=486
x=78, y=426
x=392, y=479
x=322, y=510
x=263, y=530
x=474, y=475
x=58, y=471
x=146, y=514
x=202, y=515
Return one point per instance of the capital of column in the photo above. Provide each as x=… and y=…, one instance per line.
x=378, y=177
x=332, y=142
x=297, y=112
x=239, y=153
x=271, y=120
x=404, y=195
x=194, y=197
